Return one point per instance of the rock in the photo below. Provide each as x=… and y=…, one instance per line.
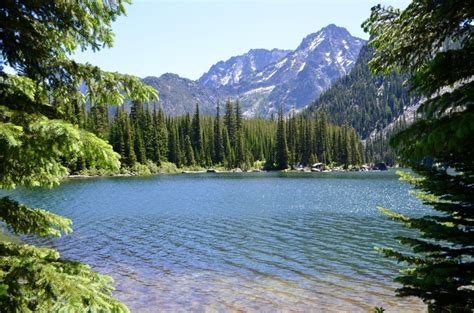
x=316, y=170
x=237, y=170
x=211, y=170
x=381, y=166
x=317, y=165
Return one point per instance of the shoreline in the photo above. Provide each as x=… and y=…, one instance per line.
x=223, y=171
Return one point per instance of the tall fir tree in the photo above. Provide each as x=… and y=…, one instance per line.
x=282, y=154
x=432, y=41
x=197, y=137
x=218, y=146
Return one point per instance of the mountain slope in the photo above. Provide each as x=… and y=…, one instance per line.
x=298, y=78
x=179, y=95
x=264, y=80
x=230, y=72
x=367, y=102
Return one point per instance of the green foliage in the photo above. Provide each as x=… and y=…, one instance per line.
x=364, y=100
x=38, y=280
x=23, y=220
x=34, y=149
x=43, y=134
x=433, y=42
x=281, y=149
x=204, y=141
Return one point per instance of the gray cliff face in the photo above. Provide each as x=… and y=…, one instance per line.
x=237, y=68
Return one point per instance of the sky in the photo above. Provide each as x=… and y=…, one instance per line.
x=187, y=37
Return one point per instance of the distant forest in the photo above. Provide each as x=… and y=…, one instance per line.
x=227, y=140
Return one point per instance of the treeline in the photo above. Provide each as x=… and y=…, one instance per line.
x=226, y=139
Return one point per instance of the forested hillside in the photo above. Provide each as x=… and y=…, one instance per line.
x=363, y=100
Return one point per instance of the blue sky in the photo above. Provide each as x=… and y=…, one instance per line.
x=186, y=37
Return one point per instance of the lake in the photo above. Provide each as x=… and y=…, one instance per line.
x=237, y=242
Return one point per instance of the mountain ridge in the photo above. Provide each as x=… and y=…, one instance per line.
x=265, y=79
x=365, y=101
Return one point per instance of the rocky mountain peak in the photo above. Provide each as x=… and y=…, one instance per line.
x=265, y=80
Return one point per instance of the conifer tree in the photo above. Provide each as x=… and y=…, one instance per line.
x=149, y=136
x=432, y=41
x=197, y=137
x=130, y=157
x=229, y=121
x=282, y=154
x=161, y=134
x=36, y=142
x=188, y=151
x=218, y=146
x=229, y=158
x=175, y=154
x=99, y=121
x=239, y=136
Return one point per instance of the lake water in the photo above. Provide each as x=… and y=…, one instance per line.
x=237, y=242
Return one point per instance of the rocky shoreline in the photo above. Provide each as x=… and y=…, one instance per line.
x=316, y=168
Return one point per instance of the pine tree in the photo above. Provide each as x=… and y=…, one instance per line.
x=197, y=137
x=161, y=134
x=218, y=146
x=282, y=154
x=130, y=157
x=229, y=158
x=188, y=151
x=175, y=154
x=149, y=138
x=229, y=121
x=239, y=137
x=432, y=41
x=31, y=120
x=99, y=121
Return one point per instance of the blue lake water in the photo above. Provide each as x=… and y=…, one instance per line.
x=237, y=242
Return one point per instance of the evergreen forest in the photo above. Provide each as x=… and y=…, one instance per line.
x=146, y=136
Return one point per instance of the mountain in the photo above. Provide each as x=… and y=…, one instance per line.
x=300, y=76
x=367, y=102
x=179, y=95
x=263, y=79
x=230, y=72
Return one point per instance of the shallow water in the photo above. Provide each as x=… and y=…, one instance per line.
x=237, y=242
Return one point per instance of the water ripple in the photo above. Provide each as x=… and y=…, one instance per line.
x=241, y=243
